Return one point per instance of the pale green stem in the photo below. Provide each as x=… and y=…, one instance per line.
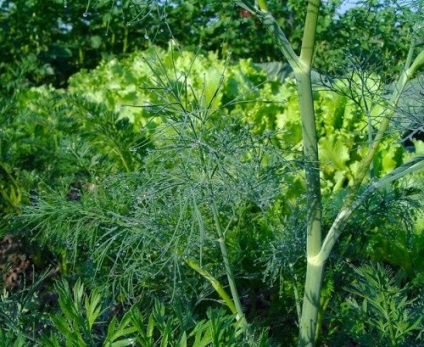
x=311, y=301
x=125, y=41
x=223, y=247
x=314, y=273
x=227, y=265
x=341, y=220
x=370, y=140
x=302, y=70
x=215, y=284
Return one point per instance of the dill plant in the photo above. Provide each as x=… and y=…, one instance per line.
x=188, y=203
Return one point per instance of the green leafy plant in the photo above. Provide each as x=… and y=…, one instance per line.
x=181, y=197
x=195, y=188
x=74, y=36
x=79, y=315
x=48, y=137
x=378, y=311
x=82, y=323
x=24, y=313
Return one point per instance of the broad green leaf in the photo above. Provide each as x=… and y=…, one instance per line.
x=334, y=152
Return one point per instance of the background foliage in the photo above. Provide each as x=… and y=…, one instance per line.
x=71, y=35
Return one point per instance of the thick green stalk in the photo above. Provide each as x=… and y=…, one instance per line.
x=314, y=272
x=311, y=301
x=302, y=69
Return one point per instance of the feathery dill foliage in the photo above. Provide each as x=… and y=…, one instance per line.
x=205, y=171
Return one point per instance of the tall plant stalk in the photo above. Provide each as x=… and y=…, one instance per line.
x=314, y=272
x=302, y=68
x=318, y=250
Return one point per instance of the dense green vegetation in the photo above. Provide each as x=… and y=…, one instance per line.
x=152, y=166
x=54, y=39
